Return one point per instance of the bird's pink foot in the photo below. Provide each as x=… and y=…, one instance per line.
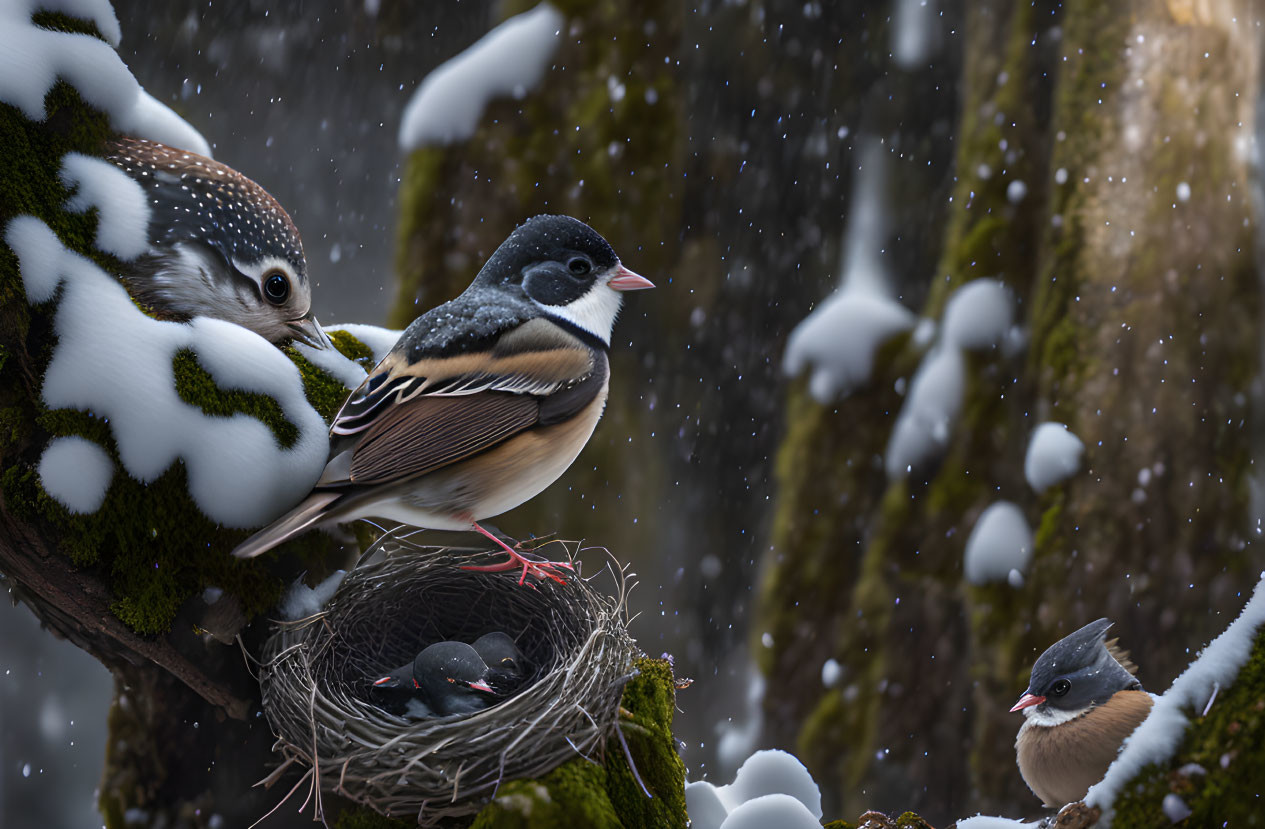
x=539, y=569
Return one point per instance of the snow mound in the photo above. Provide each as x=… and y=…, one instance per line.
x=1000, y=542
x=986, y=822
x=301, y=601
x=978, y=315
x=1054, y=455
x=117, y=363
x=771, y=810
x=151, y=118
x=76, y=472
x=914, y=32
x=772, y=788
x=121, y=230
x=1161, y=733
x=379, y=340
x=926, y=420
x=33, y=58
x=840, y=338
x=509, y=60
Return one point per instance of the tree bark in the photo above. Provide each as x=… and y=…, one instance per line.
x=1133, y=260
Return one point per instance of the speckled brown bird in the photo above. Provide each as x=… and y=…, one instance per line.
x=220, y=245
x=1082, y=701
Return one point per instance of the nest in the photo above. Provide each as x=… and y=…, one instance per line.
x=316, y=674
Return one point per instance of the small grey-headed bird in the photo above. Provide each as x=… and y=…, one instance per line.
x=220, y=246
x=452, y=679
x=504, y=660
x=1082, y=701
x=484, y=401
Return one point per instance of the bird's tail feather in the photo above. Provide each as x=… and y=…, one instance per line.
x=299, y=520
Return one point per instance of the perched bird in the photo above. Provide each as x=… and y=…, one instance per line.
x=452, y=679
x=484, y=401
x=220, y=246
x=1082, y=701
x=394, y=691
x=503, y=658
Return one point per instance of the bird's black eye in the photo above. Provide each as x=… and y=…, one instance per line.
x=579, y=266
x=1060, y=688
x=276, y=287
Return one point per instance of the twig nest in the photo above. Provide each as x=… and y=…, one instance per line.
x=317, y=674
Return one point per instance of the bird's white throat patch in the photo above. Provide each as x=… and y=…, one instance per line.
x=595, y=311
x=1047, y=715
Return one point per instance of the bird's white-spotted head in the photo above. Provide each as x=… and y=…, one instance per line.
x=567, y=270
x=220, y=246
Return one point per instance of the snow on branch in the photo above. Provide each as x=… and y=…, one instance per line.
x=510, y=60
x=1159, y=735
x=33, y=59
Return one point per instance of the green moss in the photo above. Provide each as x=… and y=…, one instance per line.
x=570, y=795
x=197, y=387
x=148, y=542
x=607, y=795
x=1228, y=746
x=365, y=818
x=352, y=348
x=323, y=391
x=65, y=23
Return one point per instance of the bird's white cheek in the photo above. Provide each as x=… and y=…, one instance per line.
x=595, y=312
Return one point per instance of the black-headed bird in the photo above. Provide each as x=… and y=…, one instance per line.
x=484, y=401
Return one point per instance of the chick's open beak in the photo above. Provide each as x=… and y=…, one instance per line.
x=480, y=685
x=626, y=280
x=1026, y=701
x=308, y=331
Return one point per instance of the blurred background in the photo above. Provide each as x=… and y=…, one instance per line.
x=807, y=418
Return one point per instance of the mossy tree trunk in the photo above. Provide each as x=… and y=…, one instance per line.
x=714, y=151
x=1133, y=259
x=187, y=739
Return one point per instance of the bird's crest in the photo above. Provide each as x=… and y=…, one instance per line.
x=1120, y=655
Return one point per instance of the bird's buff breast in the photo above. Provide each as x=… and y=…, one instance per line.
x=495, y=481
x=1060, y=762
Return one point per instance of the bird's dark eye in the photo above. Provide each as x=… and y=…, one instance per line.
x=1060, y=688
x=579, y=266
x=276, y=287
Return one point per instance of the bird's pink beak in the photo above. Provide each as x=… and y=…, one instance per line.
x=480, y=685
x=1027, y=701
x=382, y=681
x=626, y=280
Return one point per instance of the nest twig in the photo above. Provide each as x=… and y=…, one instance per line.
x=317, y=672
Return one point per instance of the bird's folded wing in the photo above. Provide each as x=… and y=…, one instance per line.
x=535, y=358
x=427, y=433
